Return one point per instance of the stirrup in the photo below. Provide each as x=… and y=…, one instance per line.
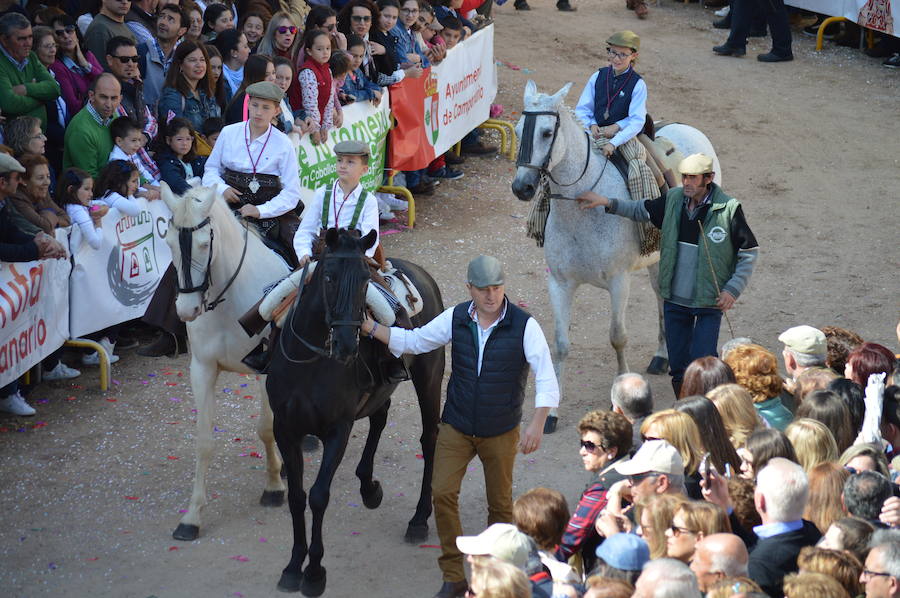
x=258, y=359
x=393, y=370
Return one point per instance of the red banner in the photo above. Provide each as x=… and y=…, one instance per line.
x=408, y=145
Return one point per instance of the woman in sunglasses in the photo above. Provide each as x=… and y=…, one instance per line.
x=282, y=38
x=73, y=68
x=324, y=17
x=606, y=439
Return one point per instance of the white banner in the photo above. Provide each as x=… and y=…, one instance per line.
x=879, y=15
x=114, y=284
x=459, y=93
x=34, y=312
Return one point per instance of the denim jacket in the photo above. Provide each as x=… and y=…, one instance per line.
x=196, y=111
x=359, y=86
x=406, y=44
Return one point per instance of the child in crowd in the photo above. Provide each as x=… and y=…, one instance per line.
x=381, y=38
x=341, y=65
x=295, y=122
x=357, y=87
x=211, y=129
x=450, y=9
x=407, y=50
x=452, y=31
x=253, y=26
x=216, y=19
x=177, y=159
x=429, y=26
x=317, y=85
x=128, y=139
x=116, y=186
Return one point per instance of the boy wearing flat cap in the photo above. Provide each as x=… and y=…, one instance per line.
x=493, y=345
x=707, y=254
x=254, y=166
x=342, y=204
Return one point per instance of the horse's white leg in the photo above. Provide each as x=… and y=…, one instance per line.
x=619, y=289
x=273, y=495
x=660, y=362
x=561, y=293
x=203, y=379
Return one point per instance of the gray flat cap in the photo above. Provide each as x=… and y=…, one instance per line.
x=9, y=164
x=485, y=271
x=265, y=90
x=352, y=147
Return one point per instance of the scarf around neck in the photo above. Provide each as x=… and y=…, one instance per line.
x=324, y=81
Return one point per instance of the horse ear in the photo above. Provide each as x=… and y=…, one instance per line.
x=530, y=89
x=331, y=237
x=167, y=196
x=369, y=240
x=560, y=95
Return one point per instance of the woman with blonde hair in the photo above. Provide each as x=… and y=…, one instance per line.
x=691, y=522
x=282, y=38
x=493, y=578
x=812, y=441
x=865, y=457
x=756, y=369
x=735, y=405
x=842, y=566
x=655, y=514
x=679, y=430
x=813, y=585
x=824, y=507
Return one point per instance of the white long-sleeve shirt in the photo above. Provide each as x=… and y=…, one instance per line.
x=439, y=332
x=629, y=126
x=342, y=205
x=146, y=176
x=126, y=205
x=279, y=158
x=84, y=227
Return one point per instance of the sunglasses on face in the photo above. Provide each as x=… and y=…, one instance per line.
x=677, y=531
x=284, y=29
x=361, y=18
x=65, y=30
x=589, y=446
x=126, y=59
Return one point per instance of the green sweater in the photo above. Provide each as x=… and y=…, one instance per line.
x=40, y=87
x=87, y=143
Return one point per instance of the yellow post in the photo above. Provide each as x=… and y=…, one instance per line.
x=821, y=32
x=105, y=373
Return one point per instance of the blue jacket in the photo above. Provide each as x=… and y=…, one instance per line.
x=406, y=44
x=172, y=171
x=361, y=88
x=196, y=111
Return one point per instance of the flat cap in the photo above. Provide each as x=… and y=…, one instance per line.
x=265, y=90
x=696, y=164
x=625, y=39
x=352, y=147
x=485, y=271
x=805, y=339
x=9, y=164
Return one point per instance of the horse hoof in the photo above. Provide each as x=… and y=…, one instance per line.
x=272, y=498
x=550, y=424
x=416, y=534
x=659, y=365
x=289, y=582
x=186, y=532
x=372, y=498
x=313, y=586
x=309, y=443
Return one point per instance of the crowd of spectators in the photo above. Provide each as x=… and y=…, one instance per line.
x=103, y=101
x=752, y=485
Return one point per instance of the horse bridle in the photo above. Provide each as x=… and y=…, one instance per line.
x=185, y=237
x=325, y=351
x=526, y=146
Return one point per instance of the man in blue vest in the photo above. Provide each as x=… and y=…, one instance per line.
x=707, y=254
x=493, y=344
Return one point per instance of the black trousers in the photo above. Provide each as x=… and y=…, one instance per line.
x=742, y=21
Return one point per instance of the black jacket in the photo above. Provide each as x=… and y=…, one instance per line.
x=774, y=557
x=15, y=244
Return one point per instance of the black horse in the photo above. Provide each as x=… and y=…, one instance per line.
x=323, y=377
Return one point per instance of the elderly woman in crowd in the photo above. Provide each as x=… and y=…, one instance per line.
x=33, y=200
x=74, y=69
x=756, y=369
x=188, y=91
x=58, y=114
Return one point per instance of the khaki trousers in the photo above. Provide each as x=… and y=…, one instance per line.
x=452, y=456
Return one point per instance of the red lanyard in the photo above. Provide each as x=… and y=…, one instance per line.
x=334, y=209
x=253, y=163
x=612, y=96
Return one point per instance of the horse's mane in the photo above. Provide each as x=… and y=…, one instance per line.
x=542, y=98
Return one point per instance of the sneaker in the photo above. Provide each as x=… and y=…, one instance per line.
x=61, y=372
x=723, y=12
x=393, y=202
x=127, y=342
x=15, y=404
x=893, y=62
x=94, y=358
x=445, y=172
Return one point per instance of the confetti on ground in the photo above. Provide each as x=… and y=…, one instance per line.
x=263, y=540
x=420, y=456
x=172, y=458
x=240, y=558
x=132, y=498
x=390, y=231
x=38, y=425
x=354, y=533
x=352, y=504
x=182, y=510
x=111, y=400
x=244, y=385
x=175, y=399
x=171, y=548
x=429, y=546
x=51, y=565
x=93, y=558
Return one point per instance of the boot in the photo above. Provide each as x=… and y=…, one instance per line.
x=564, y=6
x=393, y=370
x=259, y=358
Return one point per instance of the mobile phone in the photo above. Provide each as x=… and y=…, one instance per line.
x=705, y=466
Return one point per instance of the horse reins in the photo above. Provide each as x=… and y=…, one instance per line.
x=526, y=148
x=185, y=236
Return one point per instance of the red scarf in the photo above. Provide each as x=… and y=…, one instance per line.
x=323, y=78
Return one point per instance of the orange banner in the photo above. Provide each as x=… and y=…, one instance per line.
x=409, y=147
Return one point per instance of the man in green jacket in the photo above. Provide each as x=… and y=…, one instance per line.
x=25, y=84
x=707, y=254
x=88, y=142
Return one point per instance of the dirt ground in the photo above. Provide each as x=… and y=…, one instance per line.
x=92, y=486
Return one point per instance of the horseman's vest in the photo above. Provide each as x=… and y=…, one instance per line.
x=622, y=86
x=717, y=245
x=490, y=403
x=326, y=204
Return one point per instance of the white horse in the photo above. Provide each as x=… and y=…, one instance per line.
x=222, y=270
x=587, y=247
